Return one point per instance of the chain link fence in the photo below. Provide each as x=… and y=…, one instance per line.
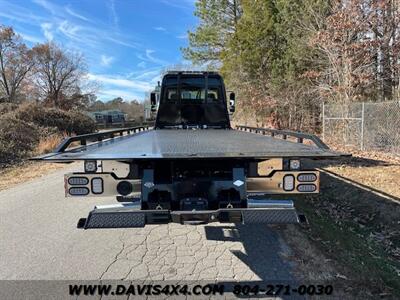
x=364, y=126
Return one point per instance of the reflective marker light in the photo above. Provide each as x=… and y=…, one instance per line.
x=90, y=166
x=78, y=191
x=97, y=185
x=78, y=181
x=306, y=177
x=294, y=164
x=288, y=183
x=306, y=188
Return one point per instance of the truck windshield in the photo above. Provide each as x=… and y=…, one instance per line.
x=192, y=100
x=192, y=90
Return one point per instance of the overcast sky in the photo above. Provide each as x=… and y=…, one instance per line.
x=125, y=42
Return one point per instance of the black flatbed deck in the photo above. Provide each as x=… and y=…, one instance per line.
x=190, y=144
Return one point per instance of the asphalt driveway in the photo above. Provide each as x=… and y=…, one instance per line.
x=39, y=240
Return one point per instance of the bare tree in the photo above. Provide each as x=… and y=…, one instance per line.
x=15, y=63
x=58, y=73
x=360, y=51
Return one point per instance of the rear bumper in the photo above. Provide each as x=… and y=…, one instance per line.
x=129, y=216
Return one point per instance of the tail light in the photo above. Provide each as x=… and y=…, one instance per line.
x=78, y=191
x=78, y=181
x=97, y=185
x=306, y=177
x=288, y=183
x=306, y=188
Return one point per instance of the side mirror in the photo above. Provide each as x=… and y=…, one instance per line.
x=153, y=101
x=232, y=102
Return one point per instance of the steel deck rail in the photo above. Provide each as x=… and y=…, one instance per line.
x=300, y=136
x=98, y=136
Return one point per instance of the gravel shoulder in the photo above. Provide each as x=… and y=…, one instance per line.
x=25, y=171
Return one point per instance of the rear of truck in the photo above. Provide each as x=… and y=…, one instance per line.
x=192, y=168
x=192, y=192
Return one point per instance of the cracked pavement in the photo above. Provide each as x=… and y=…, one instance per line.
x=39, y=240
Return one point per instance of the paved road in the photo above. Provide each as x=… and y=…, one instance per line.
x=39, y=240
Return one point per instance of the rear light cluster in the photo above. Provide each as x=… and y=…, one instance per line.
x=79, y=186
x=306, y=186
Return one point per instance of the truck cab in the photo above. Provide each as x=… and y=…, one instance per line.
x=192, y=100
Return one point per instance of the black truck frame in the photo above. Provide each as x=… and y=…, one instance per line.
x=191, y=167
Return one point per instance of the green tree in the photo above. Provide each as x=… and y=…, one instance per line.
x=218, y=22
x=268, y=57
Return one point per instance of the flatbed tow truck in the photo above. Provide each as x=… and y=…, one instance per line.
x=192, y=167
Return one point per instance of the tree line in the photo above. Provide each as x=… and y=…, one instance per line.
x=45, y=73
x=286, y=57
x=51, y=75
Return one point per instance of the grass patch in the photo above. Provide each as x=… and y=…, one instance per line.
x=49, y=143
x=365, y=260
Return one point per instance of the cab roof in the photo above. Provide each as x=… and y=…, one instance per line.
x=191, y=73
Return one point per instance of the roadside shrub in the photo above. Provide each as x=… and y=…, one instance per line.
x=44, y=117
x=17, y=138
x=80, y=123
x=33, y=129
x=65, y=121
x=7, y=107
x=48, y=131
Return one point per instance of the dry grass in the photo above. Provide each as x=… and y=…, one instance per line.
x=353, y=226
x=311, y=264
x=383, y=178
x=24, y=172
x=370, y=154
x=48, y=144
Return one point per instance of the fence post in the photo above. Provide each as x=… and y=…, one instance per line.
x=323, y=121
x=362, y=126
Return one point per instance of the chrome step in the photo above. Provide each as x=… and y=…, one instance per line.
x=267, y=203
